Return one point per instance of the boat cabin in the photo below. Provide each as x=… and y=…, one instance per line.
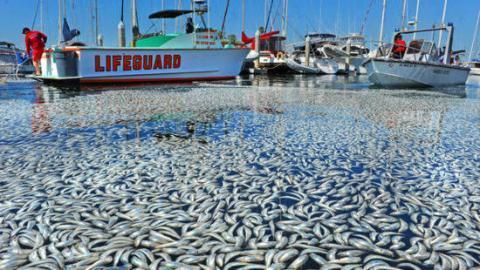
x=420, y=50
x=192, y=37
x=317, y=40
x=273, y=45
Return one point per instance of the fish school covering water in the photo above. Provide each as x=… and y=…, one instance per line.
x=225, y=177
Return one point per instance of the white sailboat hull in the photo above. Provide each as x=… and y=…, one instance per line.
x=401, y=73
x=123, y=65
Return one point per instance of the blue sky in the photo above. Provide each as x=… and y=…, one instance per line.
x=337, y=16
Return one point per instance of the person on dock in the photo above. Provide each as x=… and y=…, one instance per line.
x=399, y=47
x=35, y=45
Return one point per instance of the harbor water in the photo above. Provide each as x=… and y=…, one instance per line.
x=290, y=172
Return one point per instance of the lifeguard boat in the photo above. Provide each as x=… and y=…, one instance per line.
x=193, y=55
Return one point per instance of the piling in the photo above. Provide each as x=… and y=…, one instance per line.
x=307, y=51
x=121, y=34
x=257, y=47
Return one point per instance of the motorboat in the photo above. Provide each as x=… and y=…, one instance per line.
x=422, y=65
x=474, y=67
x=194, y=55
x=309, y=58
x=14, y=61
x=349, y=51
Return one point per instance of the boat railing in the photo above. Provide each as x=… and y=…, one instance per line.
x=412, y=53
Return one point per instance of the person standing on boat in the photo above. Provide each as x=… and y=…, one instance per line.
x=399, y=47
x=190, y=28
x=35, y=44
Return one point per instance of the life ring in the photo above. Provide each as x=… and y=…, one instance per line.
x=280, y=55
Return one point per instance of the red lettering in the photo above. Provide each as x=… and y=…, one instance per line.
x=147, y=62
x=177, y=61
x=127, y=62
x=137, y=62
x=158, y=62
x=167, y=61
x=109, y=63
x=117, y=59
x=98, y=67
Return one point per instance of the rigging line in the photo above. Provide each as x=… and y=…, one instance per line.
x=121, y=16
x=269, y=13
x=36, y=13
x=225, y=17
x=277, y=10
x=362, y=28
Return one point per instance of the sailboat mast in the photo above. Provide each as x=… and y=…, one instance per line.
x=380, y=38
x=163, y=21
x=285, y=16
x=60, y=22
x=445, y=3
x=474, y=37
x=243, y=16
x=179, y=6
x=135, y=31
x=265, y=13
x=96, y=21
x=404, y=14
x=416, y=18
x=41, y=16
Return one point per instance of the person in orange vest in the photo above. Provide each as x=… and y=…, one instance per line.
x=399, y=47
x=35, y=45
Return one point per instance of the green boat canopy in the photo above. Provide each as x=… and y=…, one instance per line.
x=169, y=14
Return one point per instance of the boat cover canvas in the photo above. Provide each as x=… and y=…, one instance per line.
x=169, y=14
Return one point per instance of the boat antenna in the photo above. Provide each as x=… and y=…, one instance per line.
x=269, y=14
x=474, y=37
x=362, y=28
x=225, y=17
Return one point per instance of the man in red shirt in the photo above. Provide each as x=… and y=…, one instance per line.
x=35, y=44
x=399, y=47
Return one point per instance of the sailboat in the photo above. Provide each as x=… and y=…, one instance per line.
x=268, y=48
x=196, y=54
x=474, y=63
x=422, y=65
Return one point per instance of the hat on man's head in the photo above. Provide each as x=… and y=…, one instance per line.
x=25, y=30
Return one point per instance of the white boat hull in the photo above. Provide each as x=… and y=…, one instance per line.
x=318, y=66
x=400, y=73
x=475, y=71
x=123, y=65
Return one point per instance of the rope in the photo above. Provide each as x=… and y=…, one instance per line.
x=225, y=18
x=36, y=14
x=366, y=17
x=269, y=14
